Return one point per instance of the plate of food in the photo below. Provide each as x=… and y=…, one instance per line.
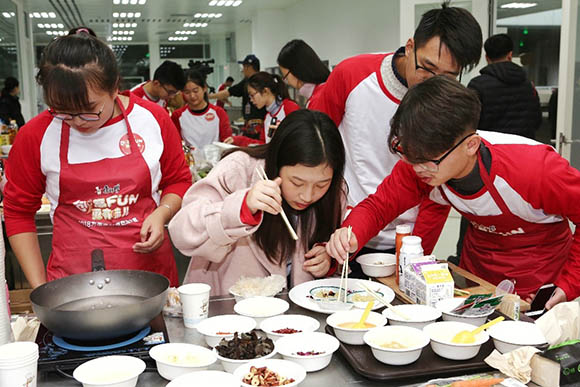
x=312, y=295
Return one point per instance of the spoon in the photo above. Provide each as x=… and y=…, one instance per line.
x=468, y=337
x=365, y=315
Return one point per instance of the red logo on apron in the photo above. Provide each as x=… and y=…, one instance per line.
x=125, y=145
x=209, y=116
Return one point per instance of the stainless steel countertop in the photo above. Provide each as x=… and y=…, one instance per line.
x=338, y=374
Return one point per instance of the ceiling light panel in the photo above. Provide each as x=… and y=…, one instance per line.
x=225, y=3
x=519, y=5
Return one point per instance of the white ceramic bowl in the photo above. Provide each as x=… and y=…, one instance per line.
x=227, y=323
x=353, y=336
x=6, y=149
x=260, y=308
x=230, y=365
x=290, y=345
x=447, y=305
x=441, y=334
x=413, y=339
x=176, y=359
x=378, y=264
x=294, y=321
x=205, y=378
x=110, y=371
x=419, y=315
x=284, y=368
x=510, y=335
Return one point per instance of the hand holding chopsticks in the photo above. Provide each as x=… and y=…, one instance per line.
x=264, y=177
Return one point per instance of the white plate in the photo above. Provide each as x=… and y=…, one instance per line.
x=300, y=293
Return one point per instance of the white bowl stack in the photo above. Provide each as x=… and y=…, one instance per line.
x=18, y=363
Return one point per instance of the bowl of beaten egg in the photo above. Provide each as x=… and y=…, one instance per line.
x=176, y=359
x=344, y=322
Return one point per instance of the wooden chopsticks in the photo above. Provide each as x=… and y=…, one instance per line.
x=382, y=300
x=263, y=176
x=344, y=274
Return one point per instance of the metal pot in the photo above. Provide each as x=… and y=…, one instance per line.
x=101, y=304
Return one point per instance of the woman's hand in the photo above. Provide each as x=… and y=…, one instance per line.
x=152, y=232
x=339, y=246
x=229, y=140
x=317, y=261
x=266, y=196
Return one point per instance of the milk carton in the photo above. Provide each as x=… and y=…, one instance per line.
x=411, y=272
x=428, y=282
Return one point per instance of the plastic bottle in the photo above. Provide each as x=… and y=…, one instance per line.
x=402, y=230
x=410, y=249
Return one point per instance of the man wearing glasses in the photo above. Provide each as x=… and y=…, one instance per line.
x=517, y=194
x=168, y=80
x=363, y=93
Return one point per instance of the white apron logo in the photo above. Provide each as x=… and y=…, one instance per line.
x=109, y=208
x=492, y=229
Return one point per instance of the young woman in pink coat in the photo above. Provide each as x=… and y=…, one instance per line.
x=230, y=224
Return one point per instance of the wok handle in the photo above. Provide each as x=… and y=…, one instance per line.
x=98, y=260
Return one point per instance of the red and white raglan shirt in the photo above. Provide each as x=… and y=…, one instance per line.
x=279, y=112
x=200, y=128
x=314, y=95
x=140, y=92
x=541, y=192
x=361, y=96
x=34, y=165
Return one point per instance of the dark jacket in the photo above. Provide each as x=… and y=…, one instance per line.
x=10, y=109
x=509, y=102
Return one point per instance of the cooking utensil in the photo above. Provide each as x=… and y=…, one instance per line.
x=102, y=304
x=468, y=337
x=365, y=315
x=383, y=301
x=263, y=176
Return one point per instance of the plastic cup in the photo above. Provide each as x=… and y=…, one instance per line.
x=195, y=302
x=19, y=364
x=505, y=287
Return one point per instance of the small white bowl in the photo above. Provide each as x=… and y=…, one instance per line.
x=448, y=304
x=110, y=371
x=349, y=335
x=205, y=378
x=510, y=335
x=260, y=308
x=419, y=315
x=378, y=264
x=354, y=295
x=294, y=321
x=290, y=345
x=412, y=338
x=176, y=359
x=229, y=323
x=283, y=368
x=331, y=302
x=441, y=334
x=230, y=365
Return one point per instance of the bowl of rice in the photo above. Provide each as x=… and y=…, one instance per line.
x=247, y=287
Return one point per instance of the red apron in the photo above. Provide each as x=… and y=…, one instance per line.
x=506, y=246
x=102, y=205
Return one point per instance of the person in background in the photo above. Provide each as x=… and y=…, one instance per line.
x=230, y=222
x=228, y=83
x=509, y=101
x=111, y=166
x=270, y=92
x=363, y=93
x=199, y=122
x=9, y=104
x=168, y=79
x=517, y=194
x=253, y=117
x=302, y=69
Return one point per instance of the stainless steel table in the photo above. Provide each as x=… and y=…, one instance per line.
x=338, y=374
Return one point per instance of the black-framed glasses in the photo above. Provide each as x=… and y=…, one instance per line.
x=429, y=73
x=428, y=165
x=286, y=75
x=82, y=116
x=170, y=93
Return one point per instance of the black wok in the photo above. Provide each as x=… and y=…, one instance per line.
x=100, y=304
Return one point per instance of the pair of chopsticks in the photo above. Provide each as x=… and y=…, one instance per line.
x=263, y=176
x=344, y=274
x=382, y=300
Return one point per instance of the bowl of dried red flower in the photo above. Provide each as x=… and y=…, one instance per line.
x=288, y=324
x=312, y=350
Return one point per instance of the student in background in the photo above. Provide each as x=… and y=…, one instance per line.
x=230, y=222
x=168, y=79
x=9, y=104
x=228, y=83
x=302, y=69
x=199, y=122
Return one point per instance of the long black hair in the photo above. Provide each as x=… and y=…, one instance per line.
x=72, y=64
x=262, y=80
x=303, y=62
x=199, y=79
x=309, y=138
